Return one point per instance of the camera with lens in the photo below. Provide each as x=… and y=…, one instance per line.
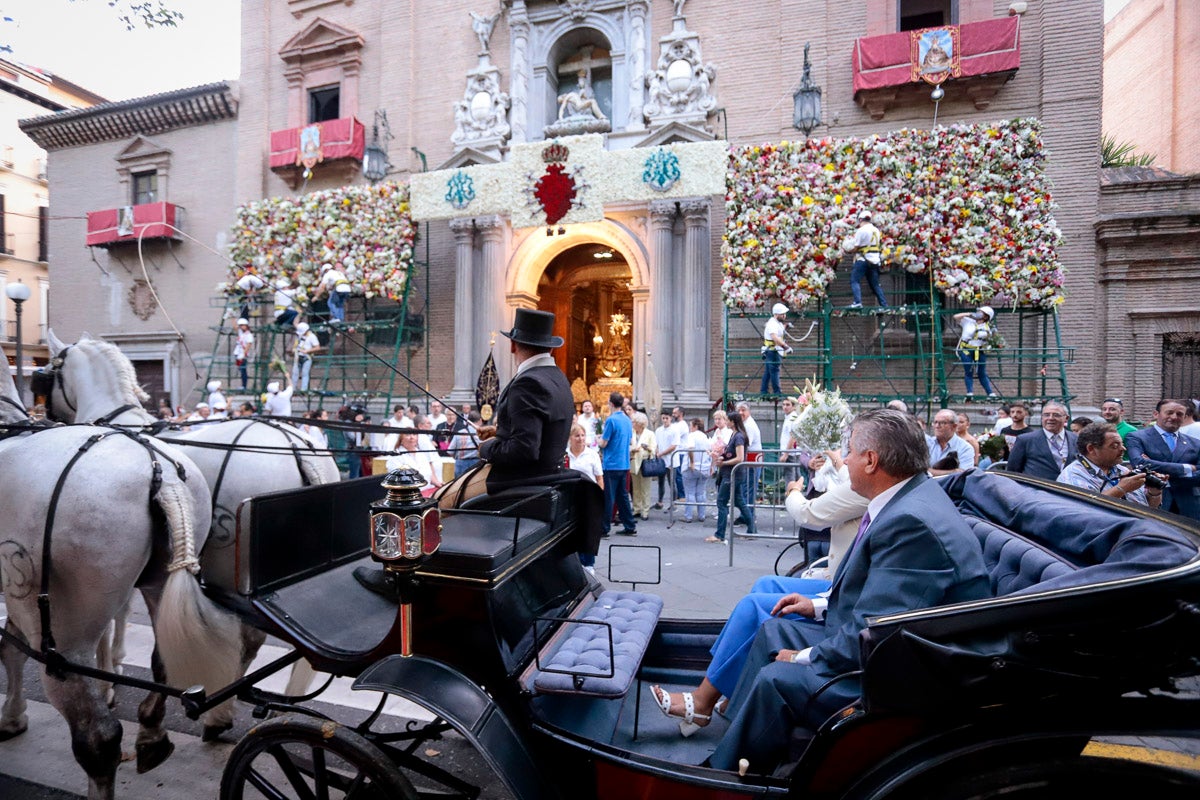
x=1152, y=480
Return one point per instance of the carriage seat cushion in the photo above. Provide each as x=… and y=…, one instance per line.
x=478, y=545
x=1015, y=563
x=583, y=649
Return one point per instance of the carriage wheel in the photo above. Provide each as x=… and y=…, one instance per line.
x=303, y=757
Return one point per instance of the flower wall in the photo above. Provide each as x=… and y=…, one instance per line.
x=367, y=231
x=970, y=202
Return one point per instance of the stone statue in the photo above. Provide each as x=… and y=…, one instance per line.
x=581, y=102
x=483, y=27
x=679, y=7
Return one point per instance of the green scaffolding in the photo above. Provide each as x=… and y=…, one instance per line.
x=353, y=363
x=905, y=352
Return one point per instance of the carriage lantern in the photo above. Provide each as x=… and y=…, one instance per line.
x=405, y=527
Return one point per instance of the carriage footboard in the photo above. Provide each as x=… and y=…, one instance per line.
x=598, y=651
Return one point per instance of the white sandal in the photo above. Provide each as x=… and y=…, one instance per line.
x=688, y=721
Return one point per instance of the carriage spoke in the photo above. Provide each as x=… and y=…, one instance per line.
x=291, y=772
x=256, y=779
x=320, y=773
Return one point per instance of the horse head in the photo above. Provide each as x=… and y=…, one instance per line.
x=89, y=381
x=11, y=407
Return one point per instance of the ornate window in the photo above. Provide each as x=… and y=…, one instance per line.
x=323, y=62
x=143, y=168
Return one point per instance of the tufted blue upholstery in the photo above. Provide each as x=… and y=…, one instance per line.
x=1015, y=563
x=583, y=649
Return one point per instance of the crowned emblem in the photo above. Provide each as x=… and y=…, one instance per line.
x=556, y=190
x=661, y=170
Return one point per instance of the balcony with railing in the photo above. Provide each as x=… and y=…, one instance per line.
x=335, y=143
x=972, y=60
x=147, y=221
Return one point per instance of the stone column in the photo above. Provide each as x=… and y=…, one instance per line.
x=490, y=311
x=636, y=59
x=696, y=295
x=465, y=369
x=518, y=90
x=662, y=294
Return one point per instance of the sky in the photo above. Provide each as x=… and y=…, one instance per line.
x=82, y=41
x=85, y=43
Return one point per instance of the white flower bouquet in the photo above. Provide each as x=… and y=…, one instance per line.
x=820, y=419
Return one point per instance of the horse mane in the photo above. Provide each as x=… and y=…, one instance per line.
x=122, y=366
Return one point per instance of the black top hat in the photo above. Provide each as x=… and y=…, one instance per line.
x=534, y=328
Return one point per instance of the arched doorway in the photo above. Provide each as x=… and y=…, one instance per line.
x=588, y=289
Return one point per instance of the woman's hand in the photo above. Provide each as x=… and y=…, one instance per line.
x=835, y=458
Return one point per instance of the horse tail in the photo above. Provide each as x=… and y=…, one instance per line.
x=200, y=643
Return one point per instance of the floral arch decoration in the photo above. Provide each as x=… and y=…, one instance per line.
x=367, y=231
x=970, y=202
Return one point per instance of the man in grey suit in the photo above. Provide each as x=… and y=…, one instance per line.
x=1163, y=448
x=1045, y=456
x=913, y=550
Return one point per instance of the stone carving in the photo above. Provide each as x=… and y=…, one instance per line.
x=483, y=27
x=141, y=300
x=680, y=86
x=578, y=9
x=578, y=111
x=481, y=116
x=678, y=7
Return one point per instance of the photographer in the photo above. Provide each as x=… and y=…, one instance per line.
x=1098, y=468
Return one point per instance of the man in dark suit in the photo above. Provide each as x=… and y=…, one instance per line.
x=1045, y=455
x=913, y=550
x=534, y=413
x=1166, y=450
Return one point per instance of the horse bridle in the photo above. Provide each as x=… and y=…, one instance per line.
x=43, y=382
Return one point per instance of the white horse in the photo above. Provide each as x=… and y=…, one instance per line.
x=113, y=526
x=96, y=381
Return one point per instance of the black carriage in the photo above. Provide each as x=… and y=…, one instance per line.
x=505, y=639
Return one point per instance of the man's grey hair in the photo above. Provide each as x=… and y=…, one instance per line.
x=896, y=439
x=898, y=405
x=1053, y=404
x=743, y=406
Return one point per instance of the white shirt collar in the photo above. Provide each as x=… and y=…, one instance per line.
x=1049, y=435
x=883, y=498
x=540, y=360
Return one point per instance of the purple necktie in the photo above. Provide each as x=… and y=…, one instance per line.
x=862, y=528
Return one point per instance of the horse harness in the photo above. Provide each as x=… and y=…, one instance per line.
x=52, y=659
x=43, y=382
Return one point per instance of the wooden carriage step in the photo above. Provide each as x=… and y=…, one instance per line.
x=579, y=659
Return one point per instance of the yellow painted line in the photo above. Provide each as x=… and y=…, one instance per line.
x=1162, y=758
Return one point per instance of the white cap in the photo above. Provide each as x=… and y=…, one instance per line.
x=283, y=283
x=243, y=321
x=201, y=405
x=214, y=385
x=779, y=308
x=326, y=267
x=301, y=328
x=220, y=406
x=273, y=387
x=991, y=312
x=864, y=214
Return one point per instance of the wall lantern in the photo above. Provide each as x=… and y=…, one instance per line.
x=806, y=100
x=375, y=164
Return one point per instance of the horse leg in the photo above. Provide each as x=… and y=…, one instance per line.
x=13, y=721
x=111, y=652
x=104, y=660
x=120, y=623
x=95, y=730
x=153, y=744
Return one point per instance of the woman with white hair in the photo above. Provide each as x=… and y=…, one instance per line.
x=972, y=347
x=643, y=445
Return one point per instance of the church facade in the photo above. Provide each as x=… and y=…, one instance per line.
x=611, y=117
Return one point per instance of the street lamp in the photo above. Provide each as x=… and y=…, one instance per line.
x=375, y=165
x=18, y=292
x=806, y=100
